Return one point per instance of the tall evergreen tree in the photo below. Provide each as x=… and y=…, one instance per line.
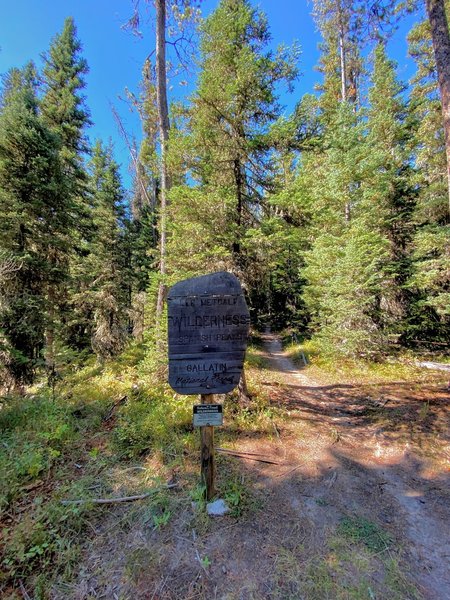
x=62, y=106
x=388, y=194
x=343, y=263
x=341, y=28
x=32, y=225
x=438, y=12
x=232, y=111
x=103, y=273
x=430, y=274
x=63, y=110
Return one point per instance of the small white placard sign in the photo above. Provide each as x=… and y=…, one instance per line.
x=208, y=415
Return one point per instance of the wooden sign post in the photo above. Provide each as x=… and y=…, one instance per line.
x=208, y=468
x=208, y=323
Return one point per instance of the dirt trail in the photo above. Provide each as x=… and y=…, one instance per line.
x=376, y=469
x=365, y=458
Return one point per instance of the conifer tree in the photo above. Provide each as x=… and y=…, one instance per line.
x=438, y=12
x=388, y=194
x=231, y=113
x=341, y=28
x=430, y=275
x=103, y=273
x=32, y=225
x=343, y=262
x=62, y=105
x=63, y=110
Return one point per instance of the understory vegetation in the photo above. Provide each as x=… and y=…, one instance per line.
x=335, y=218
x=109, y=432
x=102, y=432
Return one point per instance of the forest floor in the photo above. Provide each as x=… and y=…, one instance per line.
x=356, y=506
x=342, y=493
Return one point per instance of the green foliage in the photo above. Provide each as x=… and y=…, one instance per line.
x=358, y=529
x=199, y=241
x=35, y=432
x=149, y=423
x=102, y=272
x=236, y=495
x=63, y=105
x=32, y=226
x=430, y=274
x=350, y=276
x=343, y=263
x=228, y=141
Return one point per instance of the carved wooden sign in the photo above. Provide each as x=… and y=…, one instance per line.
x=208, y=330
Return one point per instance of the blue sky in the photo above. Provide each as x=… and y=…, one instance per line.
x=115, y=57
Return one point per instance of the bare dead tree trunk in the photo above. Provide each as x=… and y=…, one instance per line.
x=441, y=45
x=343, y=66
x=164, y=126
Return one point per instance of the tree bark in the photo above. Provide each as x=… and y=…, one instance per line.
x=441, y=45
x=342, y=57
x=243, y=393
x=208, y=468
x=343, y=66
x=238, y=179
x=163, y=126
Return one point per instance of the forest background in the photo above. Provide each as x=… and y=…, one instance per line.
x=317, y=175
x=334, y=215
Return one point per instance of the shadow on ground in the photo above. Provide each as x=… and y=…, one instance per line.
x=321, y=525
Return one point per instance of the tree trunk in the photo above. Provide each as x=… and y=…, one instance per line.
x=342, y=56
x=164, y=126
x=441, y=45
x=239, y=197
x=243, y=393
x=343, y=66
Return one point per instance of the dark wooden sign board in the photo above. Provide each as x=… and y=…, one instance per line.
x=208, y=326
x=208, y=330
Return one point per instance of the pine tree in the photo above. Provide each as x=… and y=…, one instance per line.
x=430, y=274
x=342, y=269
x=231, y=112
x=388, y=194
x=62, y=106
x=104, y=271
x=438, y=12
x=341, y=28
x=63, y=110
x=32, y=223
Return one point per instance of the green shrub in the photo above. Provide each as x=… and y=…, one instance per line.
x=150, y=422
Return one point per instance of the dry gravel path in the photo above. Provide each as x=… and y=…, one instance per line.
x=374, y=470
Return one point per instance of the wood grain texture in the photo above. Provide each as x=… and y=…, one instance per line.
x=208, y=323
x=208, y=468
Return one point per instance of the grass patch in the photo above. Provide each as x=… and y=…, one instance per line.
x=339, y=369
x=358, y=529
x=255, y=358
x=356, y=562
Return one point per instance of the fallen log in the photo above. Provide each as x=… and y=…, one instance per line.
x=118, y=500
x=433, y=365
x=249, y=456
